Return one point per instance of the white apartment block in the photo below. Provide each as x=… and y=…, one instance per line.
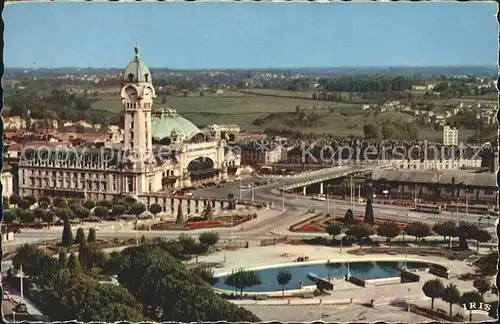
x=450, y=136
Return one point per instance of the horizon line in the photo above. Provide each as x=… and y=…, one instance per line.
x=271, y=68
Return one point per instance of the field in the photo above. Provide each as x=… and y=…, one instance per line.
x=341, y=119
x=233, y=107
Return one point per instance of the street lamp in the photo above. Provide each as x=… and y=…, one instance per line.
x=22, y=288
x=328, y=200
x=408, y=301
x=283, y=197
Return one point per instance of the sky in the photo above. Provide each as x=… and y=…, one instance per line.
x=250, y=35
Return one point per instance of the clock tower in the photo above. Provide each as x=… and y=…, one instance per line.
x=137, y=95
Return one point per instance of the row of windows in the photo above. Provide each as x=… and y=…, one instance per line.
x=67, y=184
x=67, y=174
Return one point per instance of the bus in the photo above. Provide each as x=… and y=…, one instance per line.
x=432, y=209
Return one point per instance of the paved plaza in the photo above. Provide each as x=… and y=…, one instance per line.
x=383, y=295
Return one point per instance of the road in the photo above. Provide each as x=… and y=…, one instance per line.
x=269, y=223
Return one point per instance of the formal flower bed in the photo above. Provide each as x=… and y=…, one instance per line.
x=320, y=222
x=198, y=222
x=204, y=224
x=311, y=228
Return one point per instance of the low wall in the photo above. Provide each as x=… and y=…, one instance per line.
x=356, y=281
x=297, y=302
x=383, y=281
x=407, y=276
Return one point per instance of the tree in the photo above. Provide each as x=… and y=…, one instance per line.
x=334, y=229
x=389, y=230
x=369, y=219
x=74, y=205
x=418, y=229
x=38, y=213
x=481, y=236
x=283, y=277
x=482, y=285
x=199, y=249
x=89, y=204
x=44, y=202
x=137, y=209
x=67, y=235
x=9, y=216
x=209, y=238
x=30, y=199
x=433, y=289
x=64, y=213
x=170, y=292
x=14, y=199
x=242, y=279
x=155, y=209
x=26, y=216
x=360, y=231
x=206, y=273
x=80, y=236
x=23, y=204
x=371, y=131
x=74, y=263
x=82, y=213
x=471, y=297
x=92, y=235
x=118, y=209
x=451, y=295
x=143, y=239
x=63, y=258
x=38, y=265
x=63, y=204
x=446, y=229
x=101, y=212
x=180, y=216
x=105, y=203
x=48, y=216
x=348, y=217
x=465, y=231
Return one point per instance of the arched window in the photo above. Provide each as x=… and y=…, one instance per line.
x=130, y=77
x=146, y=76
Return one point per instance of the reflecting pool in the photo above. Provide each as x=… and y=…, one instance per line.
x=365, y=270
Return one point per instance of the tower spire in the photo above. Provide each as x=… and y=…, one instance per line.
x=136, y=49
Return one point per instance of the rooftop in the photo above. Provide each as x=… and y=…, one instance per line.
x=442, y=177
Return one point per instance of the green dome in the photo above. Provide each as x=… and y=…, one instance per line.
x=137, y=70
x=166, y=121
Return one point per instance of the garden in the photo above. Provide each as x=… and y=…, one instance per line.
x=420, y=237
x=208, y=219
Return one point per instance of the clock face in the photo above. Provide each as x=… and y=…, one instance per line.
x=131, y=93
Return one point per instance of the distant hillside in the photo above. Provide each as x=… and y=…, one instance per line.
x=489, y=71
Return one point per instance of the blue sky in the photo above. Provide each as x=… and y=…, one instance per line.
x=250, y=35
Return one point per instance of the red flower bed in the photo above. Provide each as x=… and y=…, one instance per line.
x=205, y=223
x=311, y=228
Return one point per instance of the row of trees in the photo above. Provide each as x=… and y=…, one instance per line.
x=48, y=208
x=391, y=130
x=434, y=288
x=55, y=105
x=154, y=285
x=463, y=231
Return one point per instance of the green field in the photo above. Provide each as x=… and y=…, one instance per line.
x=340, y=119
x=230, y=107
